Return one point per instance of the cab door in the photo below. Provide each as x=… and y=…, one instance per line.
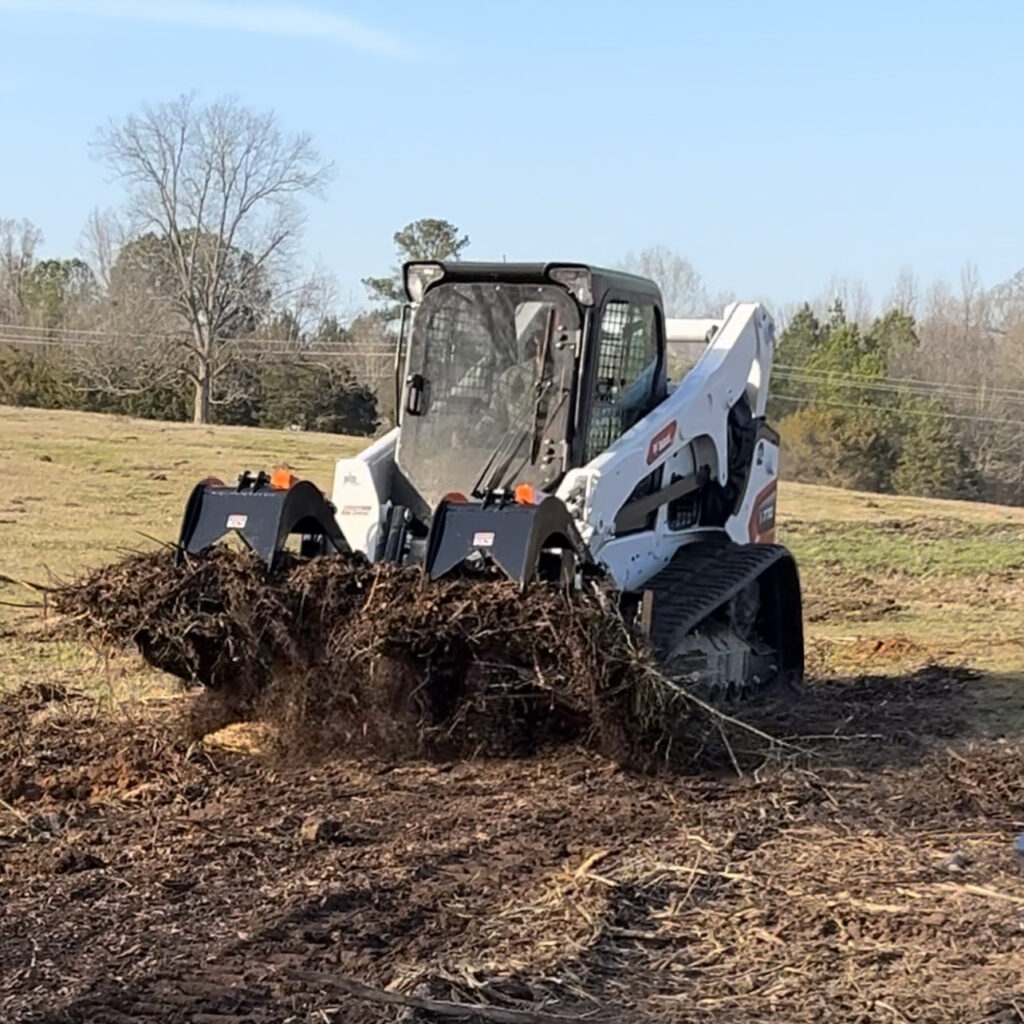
x=623, y=375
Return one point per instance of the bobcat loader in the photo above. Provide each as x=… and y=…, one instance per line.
x=539, y=432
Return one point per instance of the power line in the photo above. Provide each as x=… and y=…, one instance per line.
x=32, y=337
x=967, y=393
x=836, y=376
x=243, y=347
x=923, y=413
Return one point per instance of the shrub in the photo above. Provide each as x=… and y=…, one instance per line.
x=35, y=379
x=844, y=448
x=317, y=397
x=932, y=461
x=325, y=398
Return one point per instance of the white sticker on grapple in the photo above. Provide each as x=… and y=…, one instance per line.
x=237, y=522
x=483, y=540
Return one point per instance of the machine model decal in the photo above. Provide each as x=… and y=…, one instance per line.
x=661, y=442
x=237, y=522
x=356, y=510
x=483, y=540
x=762, y=516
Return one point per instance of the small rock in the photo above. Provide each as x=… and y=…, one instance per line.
x=52, y=821
x=317, y=830
x=45, y=458
x=157, y=476
x=956, y=861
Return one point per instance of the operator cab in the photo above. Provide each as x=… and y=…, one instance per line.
x=510, y=374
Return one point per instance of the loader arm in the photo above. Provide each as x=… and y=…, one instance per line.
x=685, y=444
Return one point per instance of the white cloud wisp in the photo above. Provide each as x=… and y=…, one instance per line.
x=271, y=19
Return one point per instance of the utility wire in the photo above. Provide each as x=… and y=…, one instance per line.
x=923, y=413
x=886, y=388
x=840, y=376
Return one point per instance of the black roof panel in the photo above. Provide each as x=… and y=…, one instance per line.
x=604, y=279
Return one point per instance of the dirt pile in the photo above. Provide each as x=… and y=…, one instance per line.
x=338, y=653
x=217, y=619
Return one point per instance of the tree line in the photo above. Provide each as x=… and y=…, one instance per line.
x=189, y=302
x=923, y=398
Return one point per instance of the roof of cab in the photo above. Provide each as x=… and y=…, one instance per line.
x=603, y=279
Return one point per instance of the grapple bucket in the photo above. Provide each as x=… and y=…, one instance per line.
x=523, y=540
x=264, y=513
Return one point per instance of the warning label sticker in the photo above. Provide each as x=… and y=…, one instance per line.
x=237, y=522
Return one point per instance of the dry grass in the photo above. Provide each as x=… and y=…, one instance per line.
x=78, y=488
x=930, y=578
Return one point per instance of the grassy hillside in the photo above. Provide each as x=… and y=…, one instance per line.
x=889, y=581
x=77, y=487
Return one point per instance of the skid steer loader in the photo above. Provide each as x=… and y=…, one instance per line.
x=538, y=431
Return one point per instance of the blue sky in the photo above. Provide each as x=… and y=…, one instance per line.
x=776, y=145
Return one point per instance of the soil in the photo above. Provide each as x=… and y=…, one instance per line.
x=859, y=599
x=864, y=872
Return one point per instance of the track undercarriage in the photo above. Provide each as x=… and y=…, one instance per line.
x=725, y=619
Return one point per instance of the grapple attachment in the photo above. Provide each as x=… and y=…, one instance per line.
x=523, y=539
x=264, y=511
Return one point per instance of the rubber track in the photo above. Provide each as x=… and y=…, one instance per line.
x=700, y=579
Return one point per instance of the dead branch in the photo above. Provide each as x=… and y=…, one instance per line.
x=442, y=1008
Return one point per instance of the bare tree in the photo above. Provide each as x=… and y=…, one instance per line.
x=19, y=240
x=905, y=294
x=854, y=296
x=368, y=351
x=100, y=241
x=1007, y=302
x=217, y=187
x=312, y=300
x=682, y=290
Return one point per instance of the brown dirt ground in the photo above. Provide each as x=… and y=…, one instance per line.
x=868, y=875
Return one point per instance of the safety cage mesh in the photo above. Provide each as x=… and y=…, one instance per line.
x=627, y=351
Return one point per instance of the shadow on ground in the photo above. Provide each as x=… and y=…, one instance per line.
x=866, y=721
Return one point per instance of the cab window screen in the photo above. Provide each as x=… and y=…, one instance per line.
x=627, y=359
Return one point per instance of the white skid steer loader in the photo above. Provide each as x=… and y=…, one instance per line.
x=538, y=431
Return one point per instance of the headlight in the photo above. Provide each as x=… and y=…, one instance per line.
x=419, y=277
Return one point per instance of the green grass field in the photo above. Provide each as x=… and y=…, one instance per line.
x=888, y=581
